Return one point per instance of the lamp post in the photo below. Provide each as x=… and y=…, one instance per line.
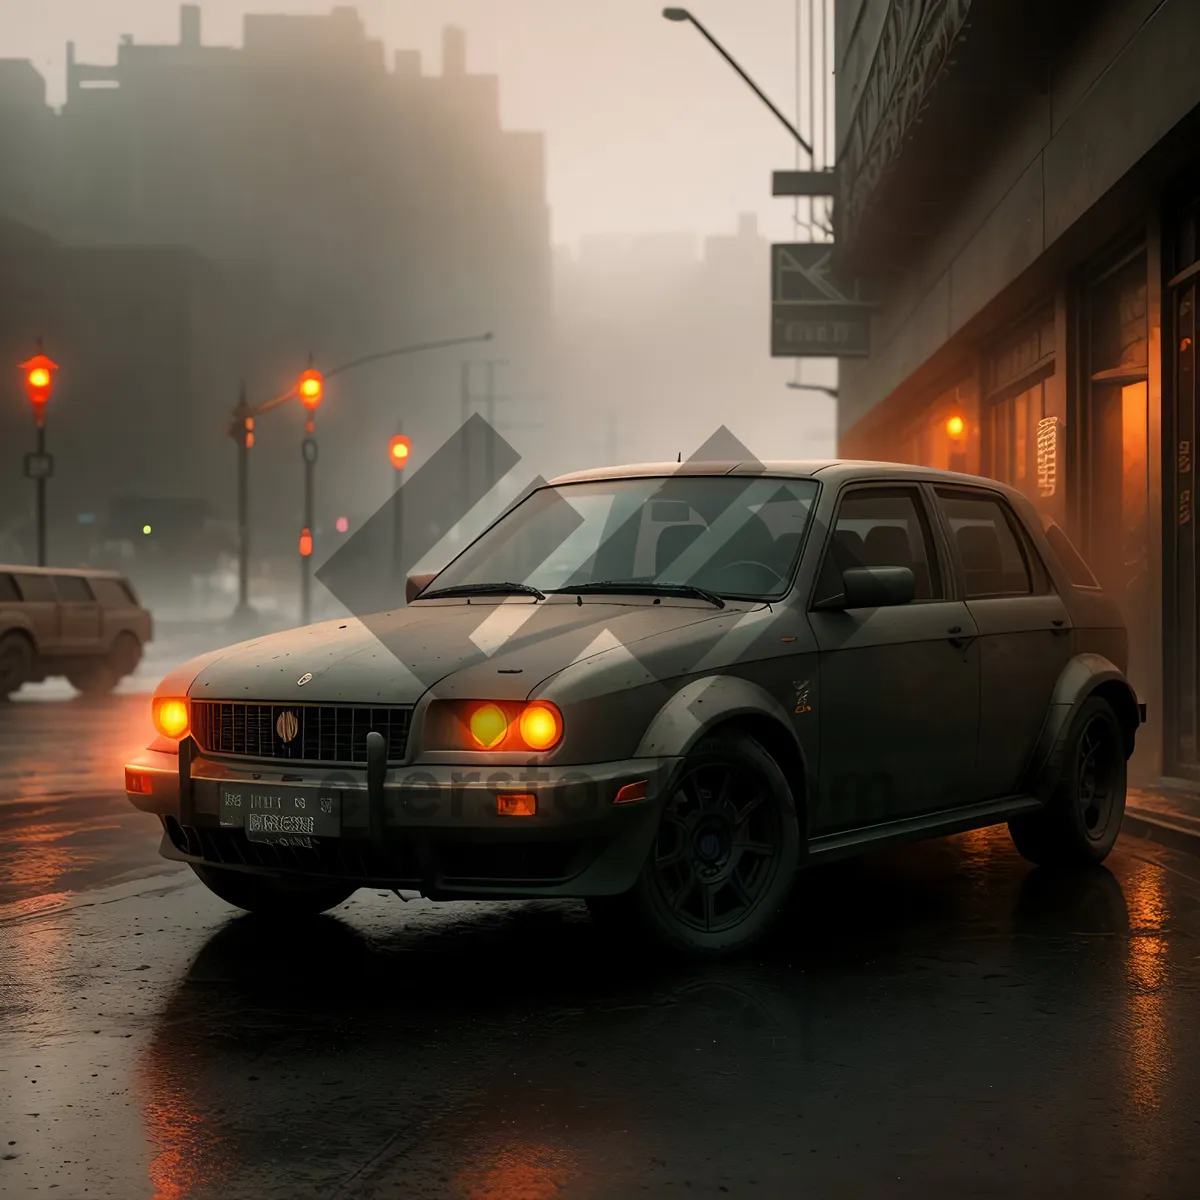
x=682, y=14
x=39, y=376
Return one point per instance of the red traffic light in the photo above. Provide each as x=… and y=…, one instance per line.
x=306, y=543
x=399, y=448
x=311, y=388
x=39, y=377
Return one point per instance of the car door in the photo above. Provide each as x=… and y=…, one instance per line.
x=1025, y=629
x=40, y=603
x=79, y=615
x=898, y=687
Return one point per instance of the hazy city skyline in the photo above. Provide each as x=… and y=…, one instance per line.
x=679, y=144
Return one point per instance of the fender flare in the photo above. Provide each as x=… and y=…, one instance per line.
x=22, y=626
x=703, y=704
x=1081, y=678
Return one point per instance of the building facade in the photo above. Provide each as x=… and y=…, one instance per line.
x=304, y=192
x=1019, y=184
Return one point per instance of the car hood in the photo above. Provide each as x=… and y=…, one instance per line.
x=393, y=658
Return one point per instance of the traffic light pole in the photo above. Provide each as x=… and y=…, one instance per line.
x=398, y=527
x=41, y=496
x=243, y=433
x=309, y=450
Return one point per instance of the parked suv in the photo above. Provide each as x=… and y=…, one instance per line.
x=86, y=625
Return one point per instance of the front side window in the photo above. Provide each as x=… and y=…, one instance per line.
x=881, y=527
x=992, y=559
x=735, y=536
x=36, y=587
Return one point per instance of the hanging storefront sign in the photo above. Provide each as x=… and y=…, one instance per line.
x=813, y=314
x=1047, y=456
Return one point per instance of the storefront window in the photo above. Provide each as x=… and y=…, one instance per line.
x=1014, y=373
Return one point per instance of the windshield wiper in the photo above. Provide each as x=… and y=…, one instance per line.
x=642, y=589
x=485, y=589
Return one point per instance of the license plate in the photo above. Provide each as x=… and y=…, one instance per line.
x=273, y=813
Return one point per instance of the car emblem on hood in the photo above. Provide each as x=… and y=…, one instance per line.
x=287, y=725
x=304, y=679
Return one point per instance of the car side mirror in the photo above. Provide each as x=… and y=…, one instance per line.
x=414, y=585
x=877, y=587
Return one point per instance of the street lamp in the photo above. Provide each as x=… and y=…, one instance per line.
x=682, y=14
x=39, y=378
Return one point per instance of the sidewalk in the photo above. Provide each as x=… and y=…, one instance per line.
x=1166, y=811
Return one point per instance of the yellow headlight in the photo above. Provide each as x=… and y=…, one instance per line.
x=488, y=725
x=541, y=725
x=170, y=715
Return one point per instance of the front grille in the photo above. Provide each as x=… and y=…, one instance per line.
x=324, y=733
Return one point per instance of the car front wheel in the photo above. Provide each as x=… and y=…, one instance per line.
x=16, y=663
x=273, y=895
x=1081, y=821
x=725, y=856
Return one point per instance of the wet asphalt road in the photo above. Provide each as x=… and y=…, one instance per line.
x=934, y=1021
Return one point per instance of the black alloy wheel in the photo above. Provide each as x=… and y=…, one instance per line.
x=725, y=855
x=16, y=663
x=1083, y=816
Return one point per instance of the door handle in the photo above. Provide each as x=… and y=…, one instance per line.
x=958, y=639
x=1060, y=627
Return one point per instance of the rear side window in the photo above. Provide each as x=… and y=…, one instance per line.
x=1078, y=572
x=8, y=589
x=111, y=593
x=36, y=587
x=72, y=589
x=994, y=563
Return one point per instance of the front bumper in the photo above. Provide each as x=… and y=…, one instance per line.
x=434, y=828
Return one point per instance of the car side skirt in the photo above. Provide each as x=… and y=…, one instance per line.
x=850, y=842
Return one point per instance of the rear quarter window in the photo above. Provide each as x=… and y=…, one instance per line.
x=112, y=593
x=1071, y=561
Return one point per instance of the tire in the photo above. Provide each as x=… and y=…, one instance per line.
x=1081, y=820
x=99, y=678
x=273, y=895
x=16, y=663
x=724, y=859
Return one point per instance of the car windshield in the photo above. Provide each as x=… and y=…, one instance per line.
x=730, y=535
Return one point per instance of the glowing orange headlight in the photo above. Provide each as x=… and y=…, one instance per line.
x=511, y=725
x=170, y=716
x=541, y=725
x=488, y=725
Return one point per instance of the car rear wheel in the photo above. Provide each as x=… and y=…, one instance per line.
x=725, y=856
x=1081, y=821
x=273, y=895
x=99, y=678
x=16, y=663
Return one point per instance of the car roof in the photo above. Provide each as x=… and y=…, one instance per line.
x=83, y=572
x=827, y=469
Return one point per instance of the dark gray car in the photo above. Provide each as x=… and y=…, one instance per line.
x=665, y=689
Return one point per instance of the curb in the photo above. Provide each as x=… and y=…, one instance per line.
x=1154, y=827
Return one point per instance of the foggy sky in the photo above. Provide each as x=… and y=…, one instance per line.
x=647, y=128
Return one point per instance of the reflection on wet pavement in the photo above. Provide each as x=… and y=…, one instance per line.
x=939, y=1020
